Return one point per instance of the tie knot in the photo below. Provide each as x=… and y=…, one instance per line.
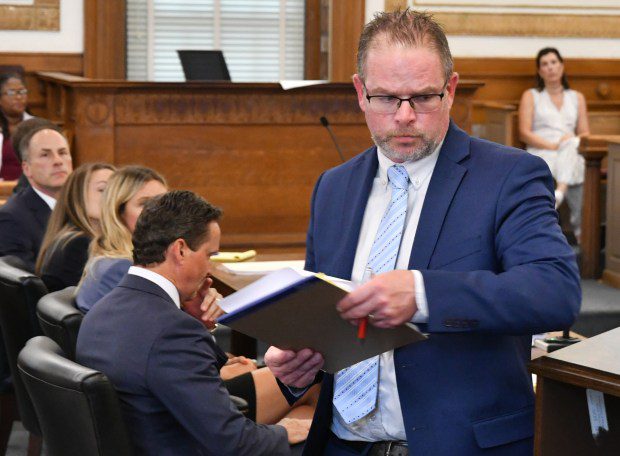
x=398, y=177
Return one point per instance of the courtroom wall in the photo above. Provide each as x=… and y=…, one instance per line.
x=69, y=39
x=595, y=29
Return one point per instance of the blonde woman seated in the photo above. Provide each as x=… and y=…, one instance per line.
x=110, y=258
x=74, y=222
x=552, y=117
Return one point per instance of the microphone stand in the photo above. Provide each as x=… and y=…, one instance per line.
x=325, y=123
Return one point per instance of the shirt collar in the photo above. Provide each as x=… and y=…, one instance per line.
x=159, y=280
x=418, y=170
x=51, y=202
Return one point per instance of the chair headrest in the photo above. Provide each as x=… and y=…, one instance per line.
x=58, y=305
x=11, y=272
x=44, y=359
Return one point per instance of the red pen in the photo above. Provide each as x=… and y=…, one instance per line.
x=361, y=329
x=363, y=323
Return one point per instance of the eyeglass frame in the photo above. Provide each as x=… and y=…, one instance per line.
x=410, y=100
x=15, y=92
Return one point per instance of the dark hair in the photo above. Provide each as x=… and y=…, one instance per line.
x=410, y=28
x=4, y=78
x=540, y=83
x=179, y=214
x=24, y=144
x=35, y=124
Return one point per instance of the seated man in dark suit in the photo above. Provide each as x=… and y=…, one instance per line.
x=23, y=219
x=162, y=361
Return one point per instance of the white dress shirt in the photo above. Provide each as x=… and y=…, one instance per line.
x=385, y=422
x=158, y=280
x=51, y=202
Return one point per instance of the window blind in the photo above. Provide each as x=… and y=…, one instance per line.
x=261, y=40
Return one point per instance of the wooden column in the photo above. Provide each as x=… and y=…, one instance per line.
x=593, y=148
x=611, y=273
x=312, y=40
x=346, y=23
x=105, y=39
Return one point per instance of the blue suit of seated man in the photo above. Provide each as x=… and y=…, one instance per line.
x=162, y=361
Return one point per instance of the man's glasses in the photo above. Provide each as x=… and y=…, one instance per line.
x=15, y=92
x=389, y=104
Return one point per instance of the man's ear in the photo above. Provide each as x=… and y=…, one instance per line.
x=26, y=169
x=178, y=251
x=359, y=89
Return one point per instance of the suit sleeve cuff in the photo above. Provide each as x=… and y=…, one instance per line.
x=421, y=315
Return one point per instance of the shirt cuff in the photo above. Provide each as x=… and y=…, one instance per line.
x=421, y=316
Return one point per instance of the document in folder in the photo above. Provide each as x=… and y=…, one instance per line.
x=297, y=309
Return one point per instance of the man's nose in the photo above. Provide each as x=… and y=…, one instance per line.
x=405, y=113
x=57, y=158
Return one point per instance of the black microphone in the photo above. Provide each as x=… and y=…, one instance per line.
x=325, y=123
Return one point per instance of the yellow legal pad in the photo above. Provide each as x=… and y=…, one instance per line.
x=233, y=257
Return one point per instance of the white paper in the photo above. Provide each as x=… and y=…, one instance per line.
x=262, y=267
x=598, y=415
x=295, y=83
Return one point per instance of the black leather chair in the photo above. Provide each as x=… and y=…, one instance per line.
x=78, y=408
x=60, y=319
x=20, y=291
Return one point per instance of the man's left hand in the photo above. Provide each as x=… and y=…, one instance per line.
x=388, y=300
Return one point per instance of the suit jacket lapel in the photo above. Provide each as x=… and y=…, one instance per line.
x=358, y=188
x=444, y=183
x=40, y=210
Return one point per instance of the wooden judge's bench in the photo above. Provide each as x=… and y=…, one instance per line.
x=253, y=149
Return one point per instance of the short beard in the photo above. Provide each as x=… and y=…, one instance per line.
x=427, y=147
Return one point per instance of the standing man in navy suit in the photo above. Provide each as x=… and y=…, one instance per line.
x=46, y=162
x=479, y=263
x=163, y=362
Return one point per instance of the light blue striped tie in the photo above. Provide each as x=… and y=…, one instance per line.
x=355, y=390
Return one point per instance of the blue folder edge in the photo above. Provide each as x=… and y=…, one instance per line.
x=250, y=307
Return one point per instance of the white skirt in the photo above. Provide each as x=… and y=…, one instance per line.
x=566, y=164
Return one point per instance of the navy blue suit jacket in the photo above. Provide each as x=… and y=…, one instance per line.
x=23, y=220
x=165, y=366
x=496, y=269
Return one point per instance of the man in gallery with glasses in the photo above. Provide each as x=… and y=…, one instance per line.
x=462, y=238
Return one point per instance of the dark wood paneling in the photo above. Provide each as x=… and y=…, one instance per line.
x=105, y=39
x=506, y=79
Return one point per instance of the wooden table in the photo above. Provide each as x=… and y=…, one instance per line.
x=227, y=283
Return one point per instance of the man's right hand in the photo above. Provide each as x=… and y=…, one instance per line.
x=292, y=368
x=296, y=428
